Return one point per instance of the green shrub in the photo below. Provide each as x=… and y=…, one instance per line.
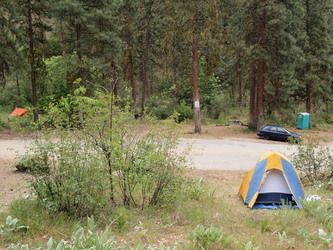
x=182, y=113
x=313, y=161
x=220, y=106
x=209, y=238
x=110, y=160
x=3, y=125
x=32, y=163
x=74, y=182
x=161, y=107
x=180, y=190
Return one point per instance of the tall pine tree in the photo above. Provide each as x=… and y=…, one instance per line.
x=32, y=22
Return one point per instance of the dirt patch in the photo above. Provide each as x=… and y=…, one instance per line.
x=13, y=184
x=237, y=132
x=209, y=131
x=212, y=131
x=7, y=134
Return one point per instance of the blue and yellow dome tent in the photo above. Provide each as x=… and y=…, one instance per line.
x=273, y=179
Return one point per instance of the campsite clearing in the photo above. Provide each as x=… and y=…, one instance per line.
x=206, y=157
x=221, y=206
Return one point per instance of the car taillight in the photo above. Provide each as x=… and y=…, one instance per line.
x=259, y=130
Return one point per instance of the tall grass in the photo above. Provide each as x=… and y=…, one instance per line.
x=42, y=224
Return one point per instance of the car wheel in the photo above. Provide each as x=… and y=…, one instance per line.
x=265, y=137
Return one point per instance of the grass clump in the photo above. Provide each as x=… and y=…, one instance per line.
x=209, y=238
x=38, y=221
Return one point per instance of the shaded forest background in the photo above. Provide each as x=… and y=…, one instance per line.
x=270, y=57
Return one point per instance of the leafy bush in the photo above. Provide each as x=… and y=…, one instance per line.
x=74, y=182
x=314, y=162
x=117, y=160
x=3, y=124
x=32, y=163
x=209, y=238
x=161, y=107
x=182, y=113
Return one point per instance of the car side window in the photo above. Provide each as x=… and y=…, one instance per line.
x=273, y=129
x=281, y=130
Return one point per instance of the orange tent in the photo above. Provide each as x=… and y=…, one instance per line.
x=19, y=112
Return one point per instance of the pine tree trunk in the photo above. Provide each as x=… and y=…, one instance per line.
x=308, y=105
x=114, y=80
x=253, y=82
x=33, y=68
x=196, y=102
x=78, y=30
x=133, y=85
x=146, y=57
x=18, y=85
x=261, y=71
x=144, y=74
x=307, y=85
x=240, y=93
x=260, y=93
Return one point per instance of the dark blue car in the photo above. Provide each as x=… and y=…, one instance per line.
x=275, y=132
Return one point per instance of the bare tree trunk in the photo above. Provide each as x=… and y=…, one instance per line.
x=33, y=68
x=307, y=85
x=260, y=93
x=133, y=85
x=308, y=105
x=196, y=101
x=240, y=93
x=261, y=71
x=144, y=74
x=78, y=30
x=18, y=85
x=146, y=58
x=253, y=85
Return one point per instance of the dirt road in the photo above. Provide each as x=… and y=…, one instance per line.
x=217, y=154
x=13, y=184
x=232, y=153
x=9, y=148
